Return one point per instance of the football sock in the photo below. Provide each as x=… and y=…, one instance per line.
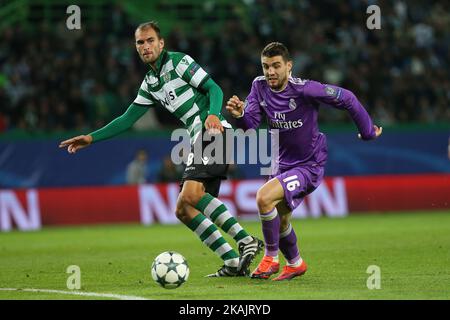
x=271, y=231
x=213, y=239
x=295, y=263
x=215, y=210
x=289, y=248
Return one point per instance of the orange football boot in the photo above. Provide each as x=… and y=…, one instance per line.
x=291, y=272
x=266, y=268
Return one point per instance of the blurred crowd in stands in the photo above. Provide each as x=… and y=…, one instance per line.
x=53, y=79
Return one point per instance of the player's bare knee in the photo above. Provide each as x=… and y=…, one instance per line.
x=180, y=211
x=191, y=193
x=191, y=197
x=264, y=201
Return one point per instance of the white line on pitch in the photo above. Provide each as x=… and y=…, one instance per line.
x=78, y=293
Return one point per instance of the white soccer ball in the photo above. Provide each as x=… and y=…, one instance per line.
x=170, y=270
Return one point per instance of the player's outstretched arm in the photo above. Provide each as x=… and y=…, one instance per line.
x=343, y=99
x=115, y=127
x=76, y=143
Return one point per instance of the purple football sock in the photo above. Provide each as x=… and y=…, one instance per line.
x=288, y=245
x=271, y=231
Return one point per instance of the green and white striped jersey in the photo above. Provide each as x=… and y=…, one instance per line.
x=175, y=85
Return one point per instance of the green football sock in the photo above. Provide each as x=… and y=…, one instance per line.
x=213, y=239
x=214, y=209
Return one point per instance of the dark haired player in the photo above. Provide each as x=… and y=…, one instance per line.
x=291, y=105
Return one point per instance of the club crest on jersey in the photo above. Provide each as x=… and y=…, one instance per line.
x=166, y=77
x=292, y=104
x=263, y=104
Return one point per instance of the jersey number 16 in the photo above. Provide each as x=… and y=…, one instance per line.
x=292, y=182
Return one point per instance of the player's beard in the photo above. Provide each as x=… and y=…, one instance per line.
x=151, y=59
x=280, y=83
x=148, y=59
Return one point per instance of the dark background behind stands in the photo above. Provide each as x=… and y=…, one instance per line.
x=53, y=79
x=56, y=83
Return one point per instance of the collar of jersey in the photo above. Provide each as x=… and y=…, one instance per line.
x=160, y=62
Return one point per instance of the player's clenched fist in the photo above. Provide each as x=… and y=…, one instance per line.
x=76, y=143
x=235, y=106
x=378, y=132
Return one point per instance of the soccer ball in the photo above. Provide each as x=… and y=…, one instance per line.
x=170, y=270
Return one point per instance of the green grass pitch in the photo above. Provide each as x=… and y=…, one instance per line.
x=411, y=249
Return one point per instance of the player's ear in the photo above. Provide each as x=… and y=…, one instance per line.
x=161, y=43
x=289, y=66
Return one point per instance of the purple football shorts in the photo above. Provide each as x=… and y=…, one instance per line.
x=298, y=182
